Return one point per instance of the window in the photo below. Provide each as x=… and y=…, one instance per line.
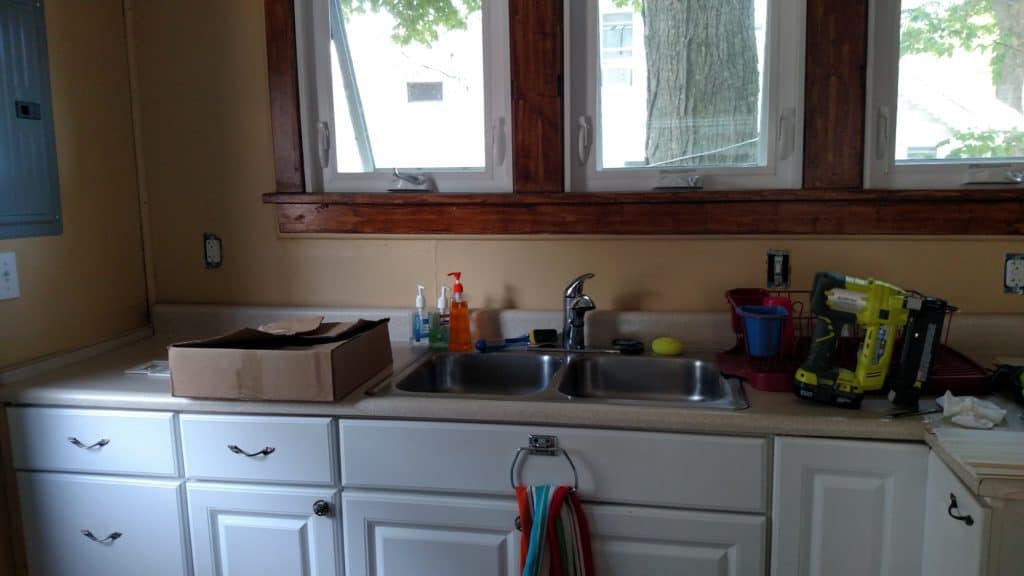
x=417, y=88
x=719, y=110
x=29, y=189
x=944, y=103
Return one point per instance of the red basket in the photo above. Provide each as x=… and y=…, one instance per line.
x=951, y=371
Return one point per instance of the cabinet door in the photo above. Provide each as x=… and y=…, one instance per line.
x=240, y=530
x=102, y=526
x=951, y=546
x=652, y=541
x=845, y=508
x=392, y=534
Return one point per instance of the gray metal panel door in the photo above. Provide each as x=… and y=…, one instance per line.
x=29, y=187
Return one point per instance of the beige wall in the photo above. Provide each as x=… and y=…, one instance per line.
x=87, y=284
x=208, y=159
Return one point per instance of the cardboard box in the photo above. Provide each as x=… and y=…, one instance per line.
x=323, y=365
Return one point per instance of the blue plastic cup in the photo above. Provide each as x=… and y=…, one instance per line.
x=763, y=325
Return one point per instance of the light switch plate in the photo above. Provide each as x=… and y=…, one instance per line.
x=1013, y=274
x=9, y=286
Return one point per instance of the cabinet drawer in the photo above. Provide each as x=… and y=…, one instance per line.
x=676, y=470
x=148, y=515
x=113, y=441
x=258, y=448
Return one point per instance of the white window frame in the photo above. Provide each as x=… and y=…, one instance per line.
x=781, y=111
x=880, y=168
x=313, y=45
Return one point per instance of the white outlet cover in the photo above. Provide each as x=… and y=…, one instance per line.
x=9, y=286
x=1013, y=280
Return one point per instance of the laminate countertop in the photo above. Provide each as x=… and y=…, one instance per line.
x=101, y=382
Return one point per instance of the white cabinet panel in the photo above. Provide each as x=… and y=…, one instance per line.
x=266, y=448
x=136, y=526
x=671, y=470
x=653, y=542
x=951, y=546
x=390, y=534
x=110, y=441
x=245, y=530
x=847, y=508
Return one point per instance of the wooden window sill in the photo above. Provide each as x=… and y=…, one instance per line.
x=807, y=211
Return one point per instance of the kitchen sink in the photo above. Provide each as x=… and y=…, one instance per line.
x=506, y=374
x=574, y=377
x=650, y=379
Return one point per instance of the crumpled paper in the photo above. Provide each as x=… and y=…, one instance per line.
x=971, y=412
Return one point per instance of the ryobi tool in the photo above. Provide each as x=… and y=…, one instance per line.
x=920, y=341
x=838, y=300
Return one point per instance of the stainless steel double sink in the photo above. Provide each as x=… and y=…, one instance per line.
x=571, y=377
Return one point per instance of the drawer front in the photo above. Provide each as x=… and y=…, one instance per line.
x=677, y=470
x=105, y=441
x=258, y=448
x=147, y=517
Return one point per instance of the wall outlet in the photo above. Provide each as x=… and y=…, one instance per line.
x=778, y=269
x=9, y=287
x=1013, y=274
x=212, y=255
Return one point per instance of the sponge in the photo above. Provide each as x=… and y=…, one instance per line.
x=543, y=337
x=667, y=346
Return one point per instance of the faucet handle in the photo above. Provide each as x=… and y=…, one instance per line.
x=575, y=288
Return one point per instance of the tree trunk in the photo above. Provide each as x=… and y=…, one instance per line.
x=702, y=82
x=1010, y=83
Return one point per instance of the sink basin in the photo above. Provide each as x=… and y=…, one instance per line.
x=504, y=374
x=647, y=380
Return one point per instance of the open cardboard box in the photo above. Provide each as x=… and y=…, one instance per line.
x=321, y=365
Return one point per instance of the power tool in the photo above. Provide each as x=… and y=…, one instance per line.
x=920, y=342
x=838, y=300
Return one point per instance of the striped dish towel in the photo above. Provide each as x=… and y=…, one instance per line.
x=556, y=537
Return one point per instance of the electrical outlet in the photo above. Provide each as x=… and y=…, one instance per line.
x=1013, y=274
x=212, y=255
x=9, y=287
x=778, y=269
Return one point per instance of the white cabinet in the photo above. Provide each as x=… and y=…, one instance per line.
x=251, y=530
x=654, y=542
x=847, y=508
x=102, y=526
x=955, y=526
x=394, y=534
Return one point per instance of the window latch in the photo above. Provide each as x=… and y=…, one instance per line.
x=324, y=133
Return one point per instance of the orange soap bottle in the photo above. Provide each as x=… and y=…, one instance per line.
x=459, y=339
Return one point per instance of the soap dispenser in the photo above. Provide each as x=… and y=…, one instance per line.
x=439, y=322
x=459, y=339
x=420, y=320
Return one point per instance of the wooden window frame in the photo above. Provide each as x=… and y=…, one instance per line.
x=832, y=200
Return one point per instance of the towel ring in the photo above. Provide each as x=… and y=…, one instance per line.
x=542, y=445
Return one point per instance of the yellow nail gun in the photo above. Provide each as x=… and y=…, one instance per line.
x=838, y=300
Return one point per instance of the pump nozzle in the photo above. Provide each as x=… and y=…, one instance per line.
x=420, y=301
x=457, y=287
x=442, y=300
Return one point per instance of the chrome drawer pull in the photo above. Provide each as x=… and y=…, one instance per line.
x=110, y=537
x=98, y=444
x=965, y=518
x=267, y=450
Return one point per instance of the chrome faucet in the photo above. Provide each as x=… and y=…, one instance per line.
x=575, y=306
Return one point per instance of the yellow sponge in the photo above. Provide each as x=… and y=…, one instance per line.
x=667, y=346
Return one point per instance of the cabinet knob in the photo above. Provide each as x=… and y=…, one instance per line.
x=321, y=508
x=954, y=512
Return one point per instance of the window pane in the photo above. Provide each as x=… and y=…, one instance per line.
x=681, y=83
x=961, y=72
x=411, y=100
